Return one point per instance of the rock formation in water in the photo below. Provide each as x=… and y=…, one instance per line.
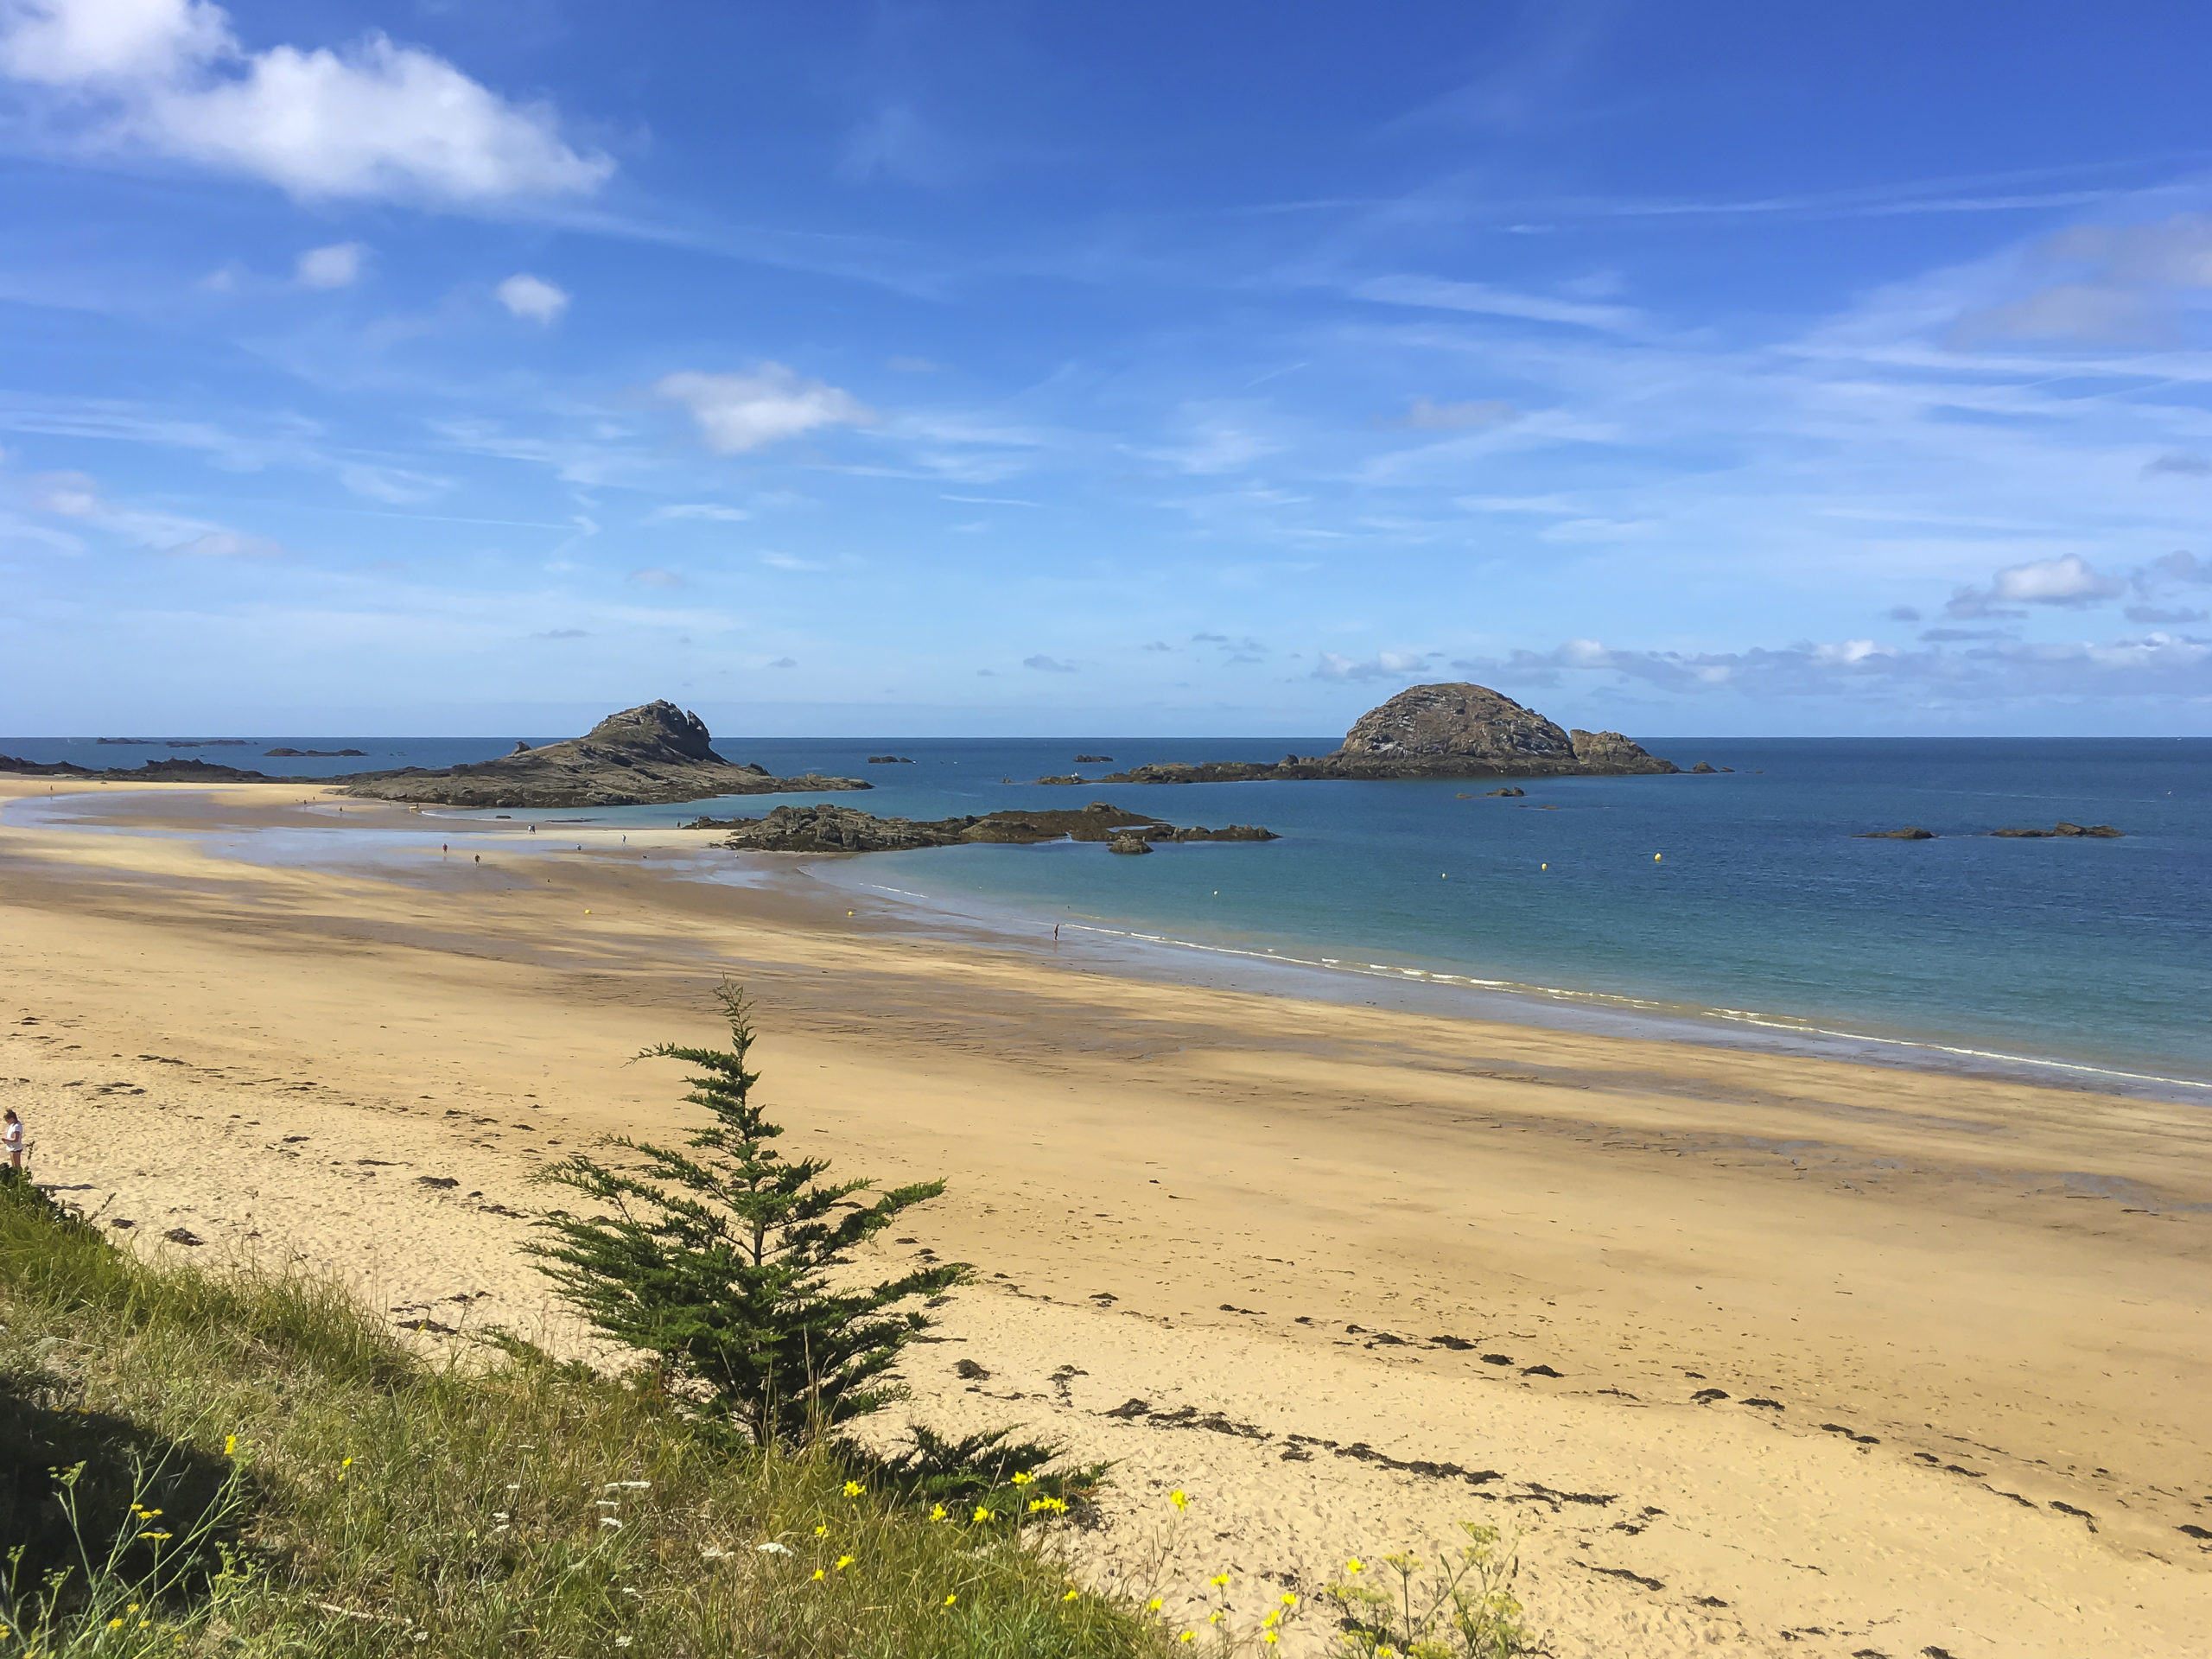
x=1911, y=832
x=171, y=771
x=643, y=756
x=1453, y=730
x=2062, y=831
x=826, y=829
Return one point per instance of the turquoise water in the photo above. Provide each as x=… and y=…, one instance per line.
x=1761, y=906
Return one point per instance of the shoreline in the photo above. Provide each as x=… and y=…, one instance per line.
x=1758, y=1314
x=1151, y=955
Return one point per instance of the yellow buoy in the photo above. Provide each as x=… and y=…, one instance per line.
x=1655, y=857
x=1543, y=867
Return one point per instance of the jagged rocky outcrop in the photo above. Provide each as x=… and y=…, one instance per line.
x=2061, y=831
x=1450, y=730
x=828, y=829
x=652, y=754
x=170, y=771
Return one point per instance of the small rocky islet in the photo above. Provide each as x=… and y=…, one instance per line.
x=829, y=828
x=2056, y=832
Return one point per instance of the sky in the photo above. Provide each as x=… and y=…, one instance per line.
x=1705, y=367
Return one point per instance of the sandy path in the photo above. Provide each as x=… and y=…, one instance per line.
x=1319, y=1244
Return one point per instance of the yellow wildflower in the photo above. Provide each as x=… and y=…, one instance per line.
x=1219, y=1581
x=822, y=1532
x=1269, y=1638
x=844, y=1561
x=853, y=1489
x=1071, y=1595
x=937, y=1513
x=1355, y=1565
x=1289, y=1599
x=1152, y=1606
x=1186, y=1637
x=1021, y=1480
x=1177, y=1498
x=819, y=1574
x=954, y=1596
x=230, y=1446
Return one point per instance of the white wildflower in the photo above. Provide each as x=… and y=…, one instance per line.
x=771, y=1548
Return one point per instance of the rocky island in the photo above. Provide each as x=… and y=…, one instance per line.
x=653, y=754
x=645, y=756
x=1450, y=730
x=845, y=830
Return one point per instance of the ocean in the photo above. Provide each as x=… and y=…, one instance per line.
x=1737, y=903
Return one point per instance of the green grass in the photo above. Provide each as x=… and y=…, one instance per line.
x=193, y=1464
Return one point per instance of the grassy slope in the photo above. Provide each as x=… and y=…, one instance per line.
x=304, y=1483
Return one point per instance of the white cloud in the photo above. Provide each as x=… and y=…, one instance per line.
x=2082, y=313
x=1994, y=668
x=1388, y=665
x=77, y=495
x=739, y=412
x=709, y=509
x=225, y=545
x=2179, y=464
x=1426, y=417
x=2070, y=581
x=2174, y=252
x=532, y=298
x=337, y=265
x=393, y=485
x=656, y=578
x=788, y=562
x=1047, y=665
x=1437, y=294
x=72, y=495
x=371, y=119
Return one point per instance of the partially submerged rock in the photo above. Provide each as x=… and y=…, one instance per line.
x=827, y=829
x=1911, y=832
x=1451, y=730
x=2098, y=831
x=653, y=754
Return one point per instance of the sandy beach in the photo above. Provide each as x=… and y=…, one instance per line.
x=1757, y=1354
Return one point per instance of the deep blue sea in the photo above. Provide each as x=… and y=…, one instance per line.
x=1760, y=911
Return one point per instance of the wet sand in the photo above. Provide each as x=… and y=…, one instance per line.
x=1759, y=1353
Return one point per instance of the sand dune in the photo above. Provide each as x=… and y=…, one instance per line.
x=1758, y=1355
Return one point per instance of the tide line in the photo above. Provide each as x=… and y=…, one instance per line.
x=1389, y=970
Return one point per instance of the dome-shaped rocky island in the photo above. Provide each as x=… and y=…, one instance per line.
x=1449, y=730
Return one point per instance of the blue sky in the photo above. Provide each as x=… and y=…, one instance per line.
x=1000, y=368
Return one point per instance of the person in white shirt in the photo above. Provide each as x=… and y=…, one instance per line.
x=13, y=1140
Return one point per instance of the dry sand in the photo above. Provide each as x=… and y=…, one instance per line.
x=1757, y=1354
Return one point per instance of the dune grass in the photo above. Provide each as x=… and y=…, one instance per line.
x=196, y=1464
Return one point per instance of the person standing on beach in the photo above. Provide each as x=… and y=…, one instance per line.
x=13, y=1140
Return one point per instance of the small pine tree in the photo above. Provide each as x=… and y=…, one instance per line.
x=721, y=1260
